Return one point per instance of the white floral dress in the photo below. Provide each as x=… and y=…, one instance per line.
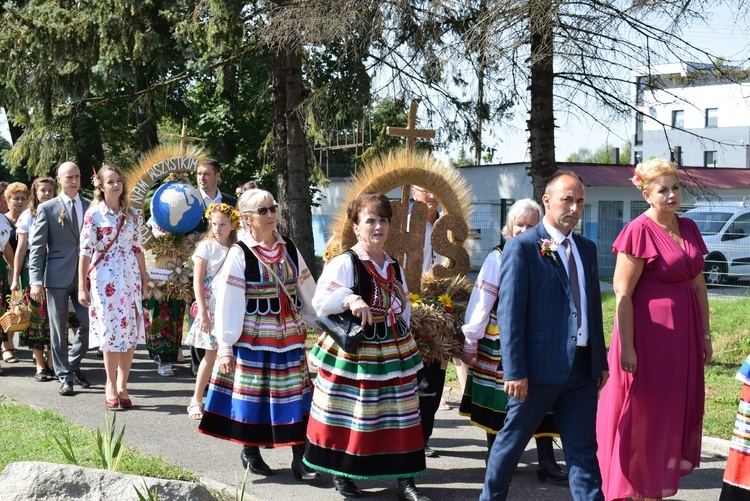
x=214, y=254
x=116, y=311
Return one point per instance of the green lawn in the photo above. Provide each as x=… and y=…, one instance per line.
x=27, y=435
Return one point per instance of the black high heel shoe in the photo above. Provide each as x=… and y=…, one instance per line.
x=251, y=458
x=300, y=470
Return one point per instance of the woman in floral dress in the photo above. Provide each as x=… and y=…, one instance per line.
x=37, y=337
x=112, y=257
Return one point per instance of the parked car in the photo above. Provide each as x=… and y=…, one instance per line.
x=725, y=227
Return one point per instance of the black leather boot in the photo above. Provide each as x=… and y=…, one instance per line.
x=299, y=469
x=346, y=487
x=251, y=458
x=407, y=491
x=548, y=467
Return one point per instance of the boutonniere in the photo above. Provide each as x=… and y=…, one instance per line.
x=60, y=217
x=548, y=248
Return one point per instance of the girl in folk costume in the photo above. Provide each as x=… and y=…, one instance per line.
x=208, y=260
x=112, y=258
x=259, y=394
x=365, y=421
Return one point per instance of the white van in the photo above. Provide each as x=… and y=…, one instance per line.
x=725, y=227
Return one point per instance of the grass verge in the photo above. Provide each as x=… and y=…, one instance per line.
x=27, y=435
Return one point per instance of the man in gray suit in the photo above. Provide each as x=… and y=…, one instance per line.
x=53, y=270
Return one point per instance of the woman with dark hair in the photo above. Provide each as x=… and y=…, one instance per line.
x=37, y=337
x=112, y=258
x=365, y=421
x=259, y=394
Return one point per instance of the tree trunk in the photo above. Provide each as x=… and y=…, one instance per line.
x=227, y=144
x=541, y=121
x=87, y=137
x=289, y=146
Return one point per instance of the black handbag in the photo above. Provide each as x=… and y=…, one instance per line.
x=344, y=329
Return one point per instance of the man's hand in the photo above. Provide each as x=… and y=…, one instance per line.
x=601, y=381
x=517, y=389
x=37, y=293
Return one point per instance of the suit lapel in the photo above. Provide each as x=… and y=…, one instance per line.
x=559, y=268
x=68, y=218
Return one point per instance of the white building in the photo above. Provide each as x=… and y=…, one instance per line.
x=611, y=201
x=693, y=113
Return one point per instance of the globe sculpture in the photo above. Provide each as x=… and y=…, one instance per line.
x=177, y=207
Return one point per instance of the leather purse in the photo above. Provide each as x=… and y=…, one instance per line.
x=344, y=329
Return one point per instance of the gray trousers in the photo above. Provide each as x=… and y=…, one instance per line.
x=66, y=361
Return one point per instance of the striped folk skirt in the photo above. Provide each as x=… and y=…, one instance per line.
x=484, y=400
x=737, y=473
x=364, y=422
x=266, y=401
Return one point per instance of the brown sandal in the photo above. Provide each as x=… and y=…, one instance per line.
x=11, y=359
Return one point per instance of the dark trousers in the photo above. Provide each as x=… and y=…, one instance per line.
x=431, y=380
x=574, y=405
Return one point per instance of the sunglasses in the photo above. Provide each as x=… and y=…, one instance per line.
x=262, y=211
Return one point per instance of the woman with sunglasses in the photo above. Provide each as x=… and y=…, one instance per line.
x=260, y=391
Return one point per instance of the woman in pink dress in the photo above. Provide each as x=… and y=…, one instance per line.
x=650, y=418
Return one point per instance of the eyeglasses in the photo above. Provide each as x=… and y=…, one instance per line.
x=262, y=211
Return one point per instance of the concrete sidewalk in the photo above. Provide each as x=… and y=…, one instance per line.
x=158, y=424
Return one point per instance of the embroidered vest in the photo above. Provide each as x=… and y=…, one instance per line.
x=376, y=292
x=262, y=293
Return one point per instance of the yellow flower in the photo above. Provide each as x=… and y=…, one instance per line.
x=415, y=299
x=445, y=300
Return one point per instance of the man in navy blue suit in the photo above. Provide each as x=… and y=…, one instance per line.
x=554, y=357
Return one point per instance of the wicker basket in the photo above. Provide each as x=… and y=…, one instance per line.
x=16, y=320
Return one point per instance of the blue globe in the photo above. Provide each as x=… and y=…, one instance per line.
x=177, y=207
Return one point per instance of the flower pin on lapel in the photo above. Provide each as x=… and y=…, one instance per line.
x=548, y=249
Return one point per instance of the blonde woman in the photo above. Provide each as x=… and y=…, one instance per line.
x=650, y=418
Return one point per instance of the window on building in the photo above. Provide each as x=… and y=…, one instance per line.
x=639, y=128
x=640, y=86
x=709, y=159
x=637, y=157
x=712, y=117
x=678, y=119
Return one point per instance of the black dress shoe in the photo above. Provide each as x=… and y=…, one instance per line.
x=66, y=389
x=430, y=453
x=346, y=487
x=251, y=458
x=80, y=379
x=407, y=491
x=40, y=376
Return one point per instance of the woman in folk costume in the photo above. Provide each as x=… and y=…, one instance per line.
x=365, y=421
x=259, y=394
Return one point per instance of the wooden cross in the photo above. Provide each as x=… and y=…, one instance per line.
x=410, y=132
x=184, y=137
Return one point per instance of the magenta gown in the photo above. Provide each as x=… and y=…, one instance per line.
x=649, y=424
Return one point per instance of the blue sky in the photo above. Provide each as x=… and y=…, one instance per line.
x=722, y=37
